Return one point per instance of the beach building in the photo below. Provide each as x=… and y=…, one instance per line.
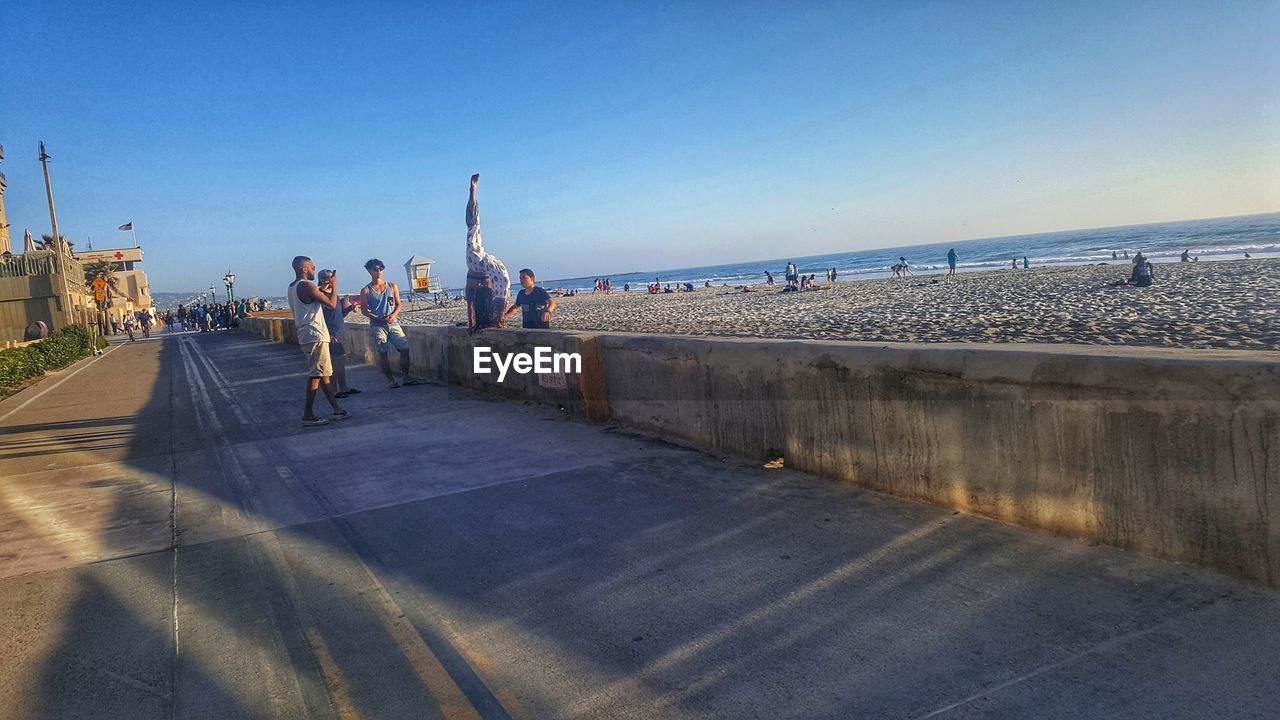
x=45, y=285
x=41, y=285
x=6, y=244
x=129, y=287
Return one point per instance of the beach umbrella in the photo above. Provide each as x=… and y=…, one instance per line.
x=29, y=245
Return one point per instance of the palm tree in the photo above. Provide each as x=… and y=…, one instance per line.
x=105, y=270
x=46, y=242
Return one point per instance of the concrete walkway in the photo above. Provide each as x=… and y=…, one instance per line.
x=173, y=544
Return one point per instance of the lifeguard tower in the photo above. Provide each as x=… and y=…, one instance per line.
x=418, y=271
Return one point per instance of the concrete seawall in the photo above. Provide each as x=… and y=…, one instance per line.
x=1171, y=453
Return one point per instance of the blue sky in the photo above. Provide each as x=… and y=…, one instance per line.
x=615, y=137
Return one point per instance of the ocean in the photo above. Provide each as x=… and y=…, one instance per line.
x=1212, y=239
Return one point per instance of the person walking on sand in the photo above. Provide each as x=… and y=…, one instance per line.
x=306, y=302
x=380, y=302
x=768, y=278
x=485, y=272
x=793, y=275
x=1026, y=264
x=951, y=262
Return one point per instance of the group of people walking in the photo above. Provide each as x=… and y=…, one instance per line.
x=319, y=313
x=207, y=317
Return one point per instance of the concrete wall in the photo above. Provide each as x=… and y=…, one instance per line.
x=1171, y=453
x=31, y=290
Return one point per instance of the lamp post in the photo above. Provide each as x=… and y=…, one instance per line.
x=213, y=295
x=230, y=280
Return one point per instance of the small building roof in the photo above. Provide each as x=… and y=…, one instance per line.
x=417, y=260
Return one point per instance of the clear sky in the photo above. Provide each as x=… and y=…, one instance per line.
x=616, y=137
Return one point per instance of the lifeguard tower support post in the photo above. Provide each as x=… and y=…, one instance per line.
x=418, y=271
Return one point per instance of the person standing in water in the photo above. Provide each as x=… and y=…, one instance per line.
x=951, y=261
x=486, y=275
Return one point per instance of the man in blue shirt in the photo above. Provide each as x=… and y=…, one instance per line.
x=535, y=301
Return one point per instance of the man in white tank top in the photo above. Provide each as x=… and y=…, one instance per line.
x=307, y=302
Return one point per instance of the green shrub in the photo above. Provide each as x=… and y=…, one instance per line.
x=18, y=365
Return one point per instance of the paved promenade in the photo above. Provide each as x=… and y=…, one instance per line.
x=173, y=544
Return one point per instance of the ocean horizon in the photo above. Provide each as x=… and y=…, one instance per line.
x=1209, y=239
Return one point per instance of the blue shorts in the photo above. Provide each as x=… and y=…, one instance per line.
x=393, y=335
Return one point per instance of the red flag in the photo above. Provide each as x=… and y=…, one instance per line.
x=127, y=226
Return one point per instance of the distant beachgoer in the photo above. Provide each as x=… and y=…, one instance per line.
x=536, y=303
x=951, y=261
x=768, y=278
x=793, y=275
x=1143, y=275
x=1015, y=263
x=1186, y=256
x=483, y=265
x=1114, y=256
x=306, y=302
x=1126, y=254
x=1247, y=256
x=1026, y=264
x=904, y=269
x=626, y=287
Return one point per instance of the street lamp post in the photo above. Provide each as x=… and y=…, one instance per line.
x=230, y=280
x=213, y=295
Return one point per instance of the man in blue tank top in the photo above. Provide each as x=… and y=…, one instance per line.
x=380, y=302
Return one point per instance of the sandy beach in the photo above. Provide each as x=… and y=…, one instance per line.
x=1234, y=304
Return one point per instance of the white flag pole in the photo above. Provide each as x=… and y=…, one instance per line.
x=133, y=229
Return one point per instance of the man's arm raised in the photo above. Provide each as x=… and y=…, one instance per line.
x=309, y=293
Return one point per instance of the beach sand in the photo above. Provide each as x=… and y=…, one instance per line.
x=1232, y=304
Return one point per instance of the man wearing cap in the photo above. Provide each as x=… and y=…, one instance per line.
x=335, y=321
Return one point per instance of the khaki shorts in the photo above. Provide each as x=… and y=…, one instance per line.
x=318, y=363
